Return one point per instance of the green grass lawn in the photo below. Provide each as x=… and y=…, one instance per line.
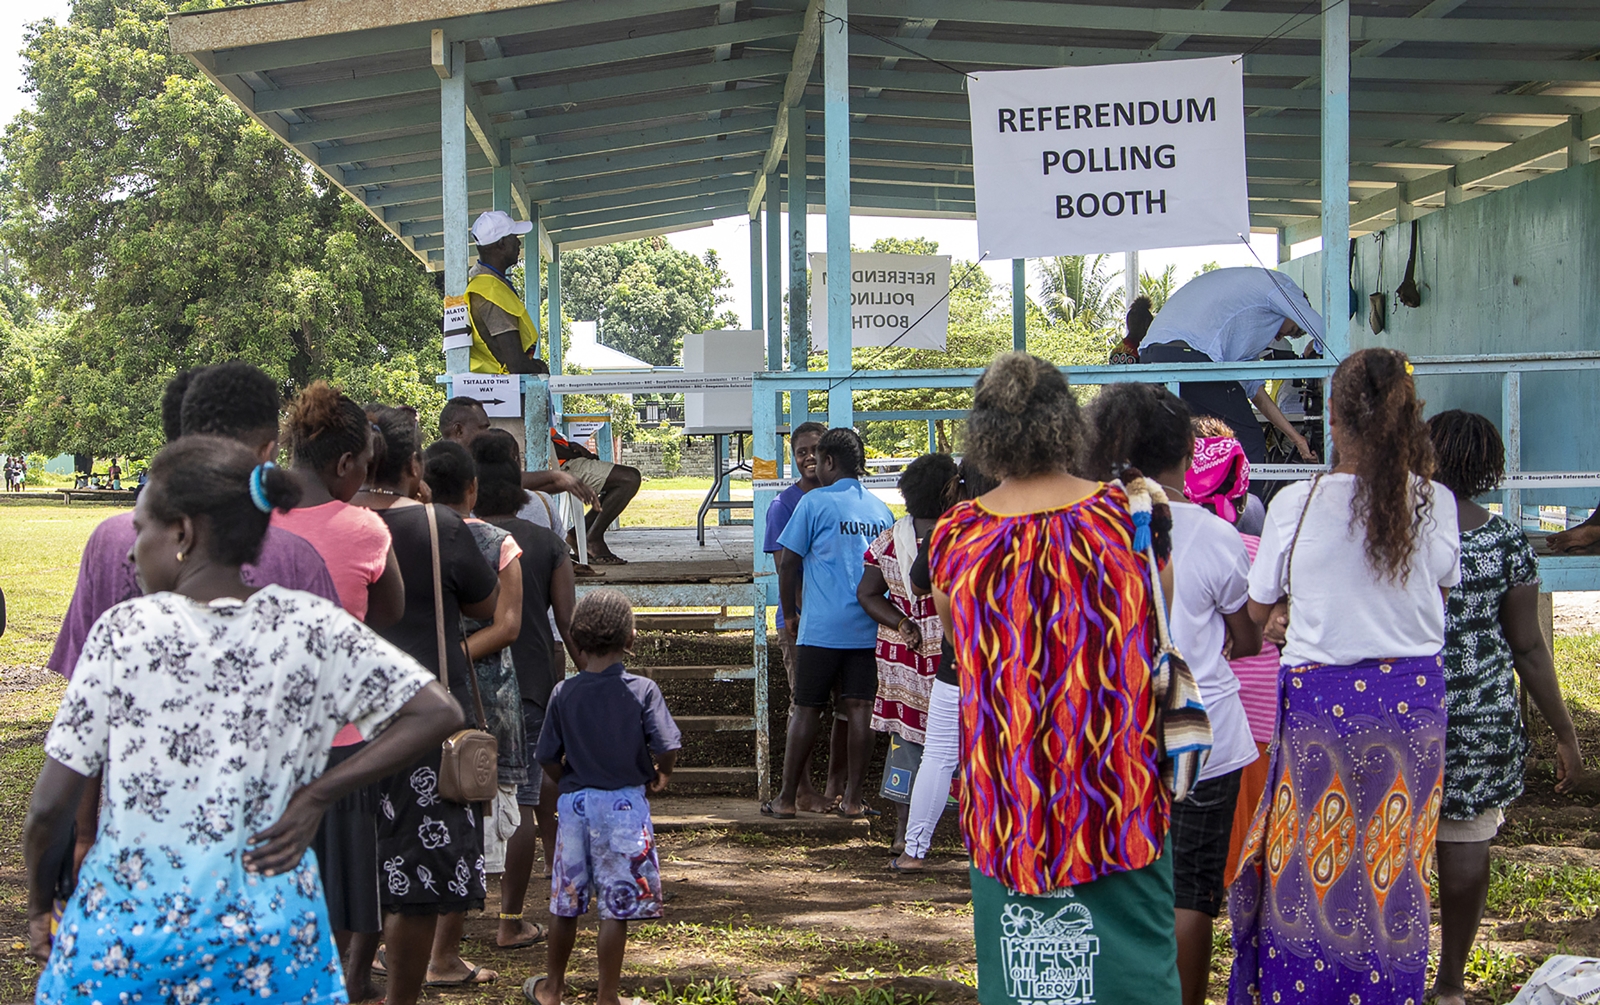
x=40, y=544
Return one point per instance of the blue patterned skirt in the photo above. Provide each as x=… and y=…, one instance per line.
x=1331, y=900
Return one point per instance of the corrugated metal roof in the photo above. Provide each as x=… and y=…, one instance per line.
x=632, y=115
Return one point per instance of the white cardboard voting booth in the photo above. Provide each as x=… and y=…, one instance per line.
x=721, y=351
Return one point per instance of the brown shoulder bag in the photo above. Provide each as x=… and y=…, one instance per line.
x=469, y=762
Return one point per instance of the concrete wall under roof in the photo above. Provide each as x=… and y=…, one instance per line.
x=1516, y=271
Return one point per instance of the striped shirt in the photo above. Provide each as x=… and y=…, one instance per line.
x=1258, y=676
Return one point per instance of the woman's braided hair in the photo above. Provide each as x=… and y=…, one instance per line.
x=1375, y=402
x=1470, y=455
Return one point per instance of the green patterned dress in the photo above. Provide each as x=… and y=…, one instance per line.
x=1485, y=743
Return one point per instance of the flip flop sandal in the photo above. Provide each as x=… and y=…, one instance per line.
x=900, y=870
x=538, y=935
x=768, y=811
x=607, y=560
x=471, y=980
x=530, y=986
x=380, y=965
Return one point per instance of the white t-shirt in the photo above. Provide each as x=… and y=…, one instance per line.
x=545, y=511
x=1342, y=610
x=1210, y=572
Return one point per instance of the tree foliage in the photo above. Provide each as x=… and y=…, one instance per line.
x=163, y=229
x=979, y=330
x=646, y=295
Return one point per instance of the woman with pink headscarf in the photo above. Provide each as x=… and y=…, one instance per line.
x=1219, y=480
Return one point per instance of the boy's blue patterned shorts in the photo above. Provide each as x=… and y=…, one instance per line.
x=605, y=848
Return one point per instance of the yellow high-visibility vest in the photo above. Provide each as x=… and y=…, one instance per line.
x=498, y=292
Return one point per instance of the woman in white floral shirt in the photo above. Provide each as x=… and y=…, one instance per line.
x=210, y=707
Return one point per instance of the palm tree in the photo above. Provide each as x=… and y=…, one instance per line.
x=1158, y=288
x=1081, y=289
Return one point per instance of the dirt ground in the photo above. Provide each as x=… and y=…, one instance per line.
x=814, y=918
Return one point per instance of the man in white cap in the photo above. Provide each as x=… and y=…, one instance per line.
x=504, y=335
x=505, y=339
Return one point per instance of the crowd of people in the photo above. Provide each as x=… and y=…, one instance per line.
x=1363, y=724
x=267, y=660
x=16, y=473
x=264, y=660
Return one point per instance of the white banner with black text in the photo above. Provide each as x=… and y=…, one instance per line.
x=1085, y=159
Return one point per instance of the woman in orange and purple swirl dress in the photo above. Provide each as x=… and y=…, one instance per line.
x=1048, y=604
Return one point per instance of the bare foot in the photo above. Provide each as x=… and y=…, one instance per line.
x=542, y=990
x=1578, y=538
x=517, y=934
x=812, y=803
x=1450, y=997
x=462, y=973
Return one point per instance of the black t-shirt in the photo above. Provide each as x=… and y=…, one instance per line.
x=948, y=672
x=534, y=652
x=467, y=579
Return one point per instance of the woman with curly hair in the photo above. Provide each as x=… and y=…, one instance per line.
x=1331, y=900
x=1492, y=638
x=1048, y=604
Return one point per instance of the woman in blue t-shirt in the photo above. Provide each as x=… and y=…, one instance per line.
x=826, y=540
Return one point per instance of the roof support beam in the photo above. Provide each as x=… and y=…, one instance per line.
x=642, y=178
x=794, y=87
x=383, y=85
x=1362, y=66
x=733, y=146
x=716, y=101
x=1507, y=159
x=272, y=38
x=1236, y=24
x=630, y=139
x=648, y=84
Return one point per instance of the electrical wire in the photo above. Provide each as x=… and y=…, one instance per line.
x=824, y=17
x=1305, y=323
x=1286, y=27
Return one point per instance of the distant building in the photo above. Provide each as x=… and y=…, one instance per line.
x=586, y=351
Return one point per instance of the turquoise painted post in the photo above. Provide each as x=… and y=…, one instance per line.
x=453, y=161
x=1019, y=311
x=764, y=457
x=719, y=460
x=531, y=286
x=757, y=310
x=836, y=189
x=553, y=283
x=774, y=233
x=1336, y=177
x=933, y=436
x=500, y=184
x=536, y=422
x=799, y=292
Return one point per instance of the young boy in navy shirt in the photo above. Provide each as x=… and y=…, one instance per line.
x=600, y=730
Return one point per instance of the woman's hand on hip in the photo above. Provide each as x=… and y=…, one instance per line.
x=278, y=849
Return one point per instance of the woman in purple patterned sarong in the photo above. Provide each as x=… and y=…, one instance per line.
x=1331, y=900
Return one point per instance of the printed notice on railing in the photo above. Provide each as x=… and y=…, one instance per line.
x=1085, y=159
x=894, y=300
